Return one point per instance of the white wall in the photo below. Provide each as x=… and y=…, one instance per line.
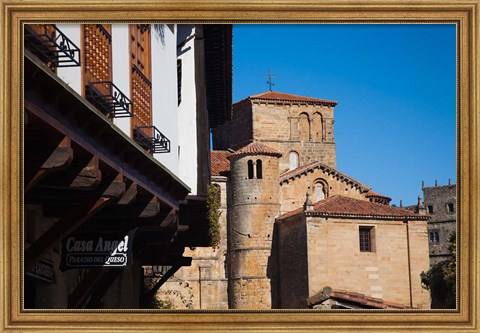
x=187, y=130
x=164, y=89
x=71, y=75
x=121, y=68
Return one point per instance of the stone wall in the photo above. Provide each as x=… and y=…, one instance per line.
x=290, y=246
x=237, y=132
x=292, y=192
x=203, y=285
x=443, y=221
x=305, y=129
x=335, y=260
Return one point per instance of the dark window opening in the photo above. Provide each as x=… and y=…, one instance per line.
x=451, y=208
x=430, y=209
x=366, y=241
x=250, y=169
x=259, y=169
x=434, y=237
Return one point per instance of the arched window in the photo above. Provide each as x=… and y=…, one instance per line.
x=320, y=190
x=250, y=169
x=304, y=127
x=293, y=156
x=317, y=127
x=319, y=193
x=259, y=169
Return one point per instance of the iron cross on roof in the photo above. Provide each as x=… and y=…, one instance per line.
x=270, y=75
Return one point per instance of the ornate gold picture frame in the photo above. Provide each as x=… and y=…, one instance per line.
x=464, y=14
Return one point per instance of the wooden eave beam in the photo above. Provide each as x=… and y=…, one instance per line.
x=83, y=172
x=59, y=159
x=38, y=149
x=107, y=192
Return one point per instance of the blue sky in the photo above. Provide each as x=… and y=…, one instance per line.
x=395, y=124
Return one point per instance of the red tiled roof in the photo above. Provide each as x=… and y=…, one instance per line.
x=373, y=194
x=291, y=174
x=256, y=148
x=278, y=96
x=365, y=300
x=341, y=206
x=220, y=165
x=361, y=300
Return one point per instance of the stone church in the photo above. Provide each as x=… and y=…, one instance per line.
x=296, y=232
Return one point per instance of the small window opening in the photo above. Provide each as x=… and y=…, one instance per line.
x=293, y=160
x=259, y=169
x=430, y=209
x=434, y=237
x=250, y=169
x=451, y=208
x=366, y=239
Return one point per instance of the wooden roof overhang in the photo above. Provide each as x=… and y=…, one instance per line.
x=87, y=173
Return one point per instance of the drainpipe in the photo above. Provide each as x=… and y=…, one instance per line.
x=409, y=263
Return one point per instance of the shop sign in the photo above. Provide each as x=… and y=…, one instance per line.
x=91, y=249
x=42, y=270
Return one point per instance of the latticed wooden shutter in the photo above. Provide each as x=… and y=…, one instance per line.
x=97, y=55
x=140, y=78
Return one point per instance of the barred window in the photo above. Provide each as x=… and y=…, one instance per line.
x=366, y=239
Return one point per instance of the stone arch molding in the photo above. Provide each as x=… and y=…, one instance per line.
x=304, y=127
x=311, y=127
x=317, y=127
x=319, y=190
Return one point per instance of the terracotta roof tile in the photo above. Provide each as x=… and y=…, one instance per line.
x=256, y=148
x=361, y=300
x=291, y=174
x=373, y=194
x=220, y=165
x=283, y=97
x=365, y=300
x=341, y=206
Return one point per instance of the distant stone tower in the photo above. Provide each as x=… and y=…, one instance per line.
x=254, y=204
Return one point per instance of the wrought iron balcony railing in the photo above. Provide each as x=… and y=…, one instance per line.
x=108, y=98
x=52, y=46
x=151, y=139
